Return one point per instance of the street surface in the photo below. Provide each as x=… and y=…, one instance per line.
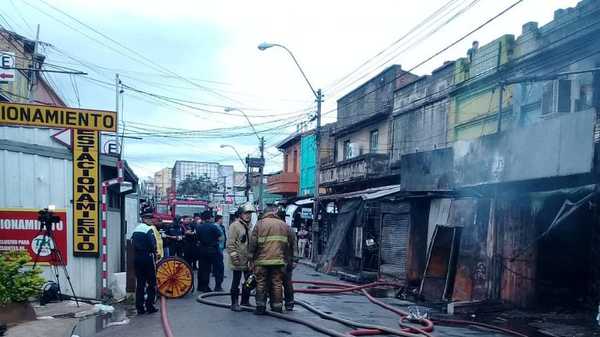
x=190, y=318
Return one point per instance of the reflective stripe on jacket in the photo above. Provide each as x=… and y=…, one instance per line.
x=270, y=242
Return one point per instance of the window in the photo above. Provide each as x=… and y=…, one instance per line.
x=347, y=149
x=374, y=141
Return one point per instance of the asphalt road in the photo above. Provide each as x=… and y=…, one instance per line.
x=190, y=318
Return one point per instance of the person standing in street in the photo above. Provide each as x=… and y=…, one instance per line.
x=219, y=266
x=237, y=248
x=160, y=253
x=145, y=251
x=270, y=245
x=189, y=246
x=302, y=241
x=173, y=239
x=207, y=240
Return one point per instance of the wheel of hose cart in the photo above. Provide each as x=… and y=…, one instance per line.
x=174, y=277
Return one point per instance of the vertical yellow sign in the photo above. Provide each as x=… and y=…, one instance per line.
x=86, y=185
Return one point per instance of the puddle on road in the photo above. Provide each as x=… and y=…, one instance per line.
x=90, y=326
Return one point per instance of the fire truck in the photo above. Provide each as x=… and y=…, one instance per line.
x=167, y=210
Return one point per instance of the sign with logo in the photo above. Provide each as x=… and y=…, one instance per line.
x=57, y=117
x=20, y=231
x=86, y=185
x=306, y=213
x=255, y=162
x=7, y=67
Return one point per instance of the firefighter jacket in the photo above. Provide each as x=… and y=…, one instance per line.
x=271, y=242
x=237, y=245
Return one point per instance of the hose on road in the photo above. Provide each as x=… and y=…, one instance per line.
x=360, y=329
x=164, y=318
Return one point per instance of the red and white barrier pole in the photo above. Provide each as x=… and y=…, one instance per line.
x=104, y=207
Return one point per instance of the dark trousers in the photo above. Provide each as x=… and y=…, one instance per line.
x=219, y=270
x=205, y=265
x=288, y=286
x=145, y=276
x=189, y=255
x=235, y=287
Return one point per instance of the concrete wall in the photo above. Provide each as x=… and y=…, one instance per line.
x=361, y=139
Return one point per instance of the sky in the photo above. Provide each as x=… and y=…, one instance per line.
x=201, y=58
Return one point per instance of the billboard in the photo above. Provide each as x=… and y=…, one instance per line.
x=57, y=117
x=20, y=231
x=86, y=185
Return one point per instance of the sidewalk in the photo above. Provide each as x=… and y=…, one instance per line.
x=53, y=320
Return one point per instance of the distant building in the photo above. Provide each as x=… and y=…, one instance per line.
x=162, y=181
x=220, y=175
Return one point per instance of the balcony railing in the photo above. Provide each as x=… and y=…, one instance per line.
x=283, y=183
x=358, y=168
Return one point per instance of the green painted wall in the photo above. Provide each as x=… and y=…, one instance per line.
x=308, y=150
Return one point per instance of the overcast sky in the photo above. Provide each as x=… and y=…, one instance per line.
x=212, y=46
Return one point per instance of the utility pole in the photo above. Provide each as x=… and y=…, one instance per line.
x=315, y=225
x=247, y=178
x=500, y=107
x=33, y=68
x=261, y=170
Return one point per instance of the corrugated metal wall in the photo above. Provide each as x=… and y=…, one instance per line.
x=31, y=181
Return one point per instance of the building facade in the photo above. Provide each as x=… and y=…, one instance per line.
x=162, y=182
x=37, y=171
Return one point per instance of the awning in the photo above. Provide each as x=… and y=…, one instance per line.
x=367, y=194
x=302, y=202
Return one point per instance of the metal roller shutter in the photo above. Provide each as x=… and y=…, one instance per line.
x=394, y=245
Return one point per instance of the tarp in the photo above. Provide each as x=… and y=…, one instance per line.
x=350, y=213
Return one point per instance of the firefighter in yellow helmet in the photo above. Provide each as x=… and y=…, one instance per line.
x=271, y=247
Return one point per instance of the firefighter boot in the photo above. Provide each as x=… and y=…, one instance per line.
x=234, y=301
x=245, y=297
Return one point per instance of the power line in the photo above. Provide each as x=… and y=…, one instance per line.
x=463, y=37
x=132, y=51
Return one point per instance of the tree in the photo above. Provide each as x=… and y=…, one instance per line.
x=198, y=186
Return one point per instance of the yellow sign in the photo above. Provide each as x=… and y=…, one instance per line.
x=57, y=117
x=86, y=184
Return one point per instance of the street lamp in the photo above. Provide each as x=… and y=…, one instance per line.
x=261, y=148
x=319, y=98
x=246, y=190
x=236, y=152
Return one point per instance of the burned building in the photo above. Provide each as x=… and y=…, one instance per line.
x=508, y=160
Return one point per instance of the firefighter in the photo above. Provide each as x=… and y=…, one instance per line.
x=270, y=246
x=237, y=248
x=145, y=252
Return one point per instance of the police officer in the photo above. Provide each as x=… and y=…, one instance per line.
x=207, y=240
x=219, y=267
x=189, y=246
x=271, y=245
x=144, y=245
x=237, y=248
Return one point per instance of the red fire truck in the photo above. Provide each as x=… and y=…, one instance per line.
x=166, y=210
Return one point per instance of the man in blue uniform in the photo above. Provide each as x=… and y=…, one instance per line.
x=207, y=238
x=144, y=245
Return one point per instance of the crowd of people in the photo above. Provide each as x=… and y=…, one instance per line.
x=262, y=256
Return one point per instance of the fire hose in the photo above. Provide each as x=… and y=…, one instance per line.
x=359, y=329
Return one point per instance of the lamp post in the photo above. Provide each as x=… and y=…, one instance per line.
x=246, y=189
x=261, y=148
x=319, y=99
